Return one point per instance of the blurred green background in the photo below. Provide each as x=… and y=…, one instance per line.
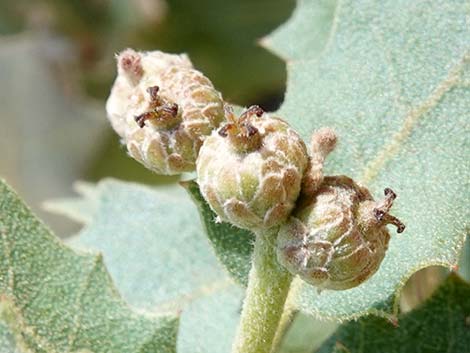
x=57, y=66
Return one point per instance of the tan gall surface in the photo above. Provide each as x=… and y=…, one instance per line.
x=256, y=189
x=170, y=148
x=333, y=239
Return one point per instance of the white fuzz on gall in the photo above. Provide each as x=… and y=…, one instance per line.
x=337, y=237
x=250, y=171
x=163, y=108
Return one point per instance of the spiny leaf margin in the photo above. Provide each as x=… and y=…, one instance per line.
x=57, y=300
x=159, y=257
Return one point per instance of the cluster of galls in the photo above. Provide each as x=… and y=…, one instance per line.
x=253, y=170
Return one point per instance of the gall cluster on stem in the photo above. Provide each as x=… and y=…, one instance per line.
x=253, y=170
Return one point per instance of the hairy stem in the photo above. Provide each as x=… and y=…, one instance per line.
x=267, y=291
x=290, y=309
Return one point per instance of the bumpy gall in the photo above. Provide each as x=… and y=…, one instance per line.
x=336, y=238
x=250, y=170
x=162, y=108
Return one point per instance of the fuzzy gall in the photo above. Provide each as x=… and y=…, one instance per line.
x=250, y=170
x=336, y=238
x=163, y=108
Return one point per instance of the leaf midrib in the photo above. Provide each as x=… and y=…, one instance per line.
x=392, y=148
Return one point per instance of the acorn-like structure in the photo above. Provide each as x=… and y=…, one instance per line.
x=163, y=108
x=336, y=238
x=250, y=170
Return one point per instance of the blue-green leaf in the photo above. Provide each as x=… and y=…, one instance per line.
x=440, y=325
x=393, y=79
x=57, y=300
x=160, y=259
x=233, y=246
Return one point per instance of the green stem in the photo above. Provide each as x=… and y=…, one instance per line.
x=287, y=317
x=266, y=294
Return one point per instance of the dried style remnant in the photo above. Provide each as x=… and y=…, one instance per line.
x=250, y=171
x=163, y=108
x=337, y=237
x=254, y=171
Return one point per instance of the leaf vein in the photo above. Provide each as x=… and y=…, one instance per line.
x=411, y=120
x=400, y=100
x=20, y=328
x=204, y=290
x=7, y=254
x=72, y=337
x=333, y=30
